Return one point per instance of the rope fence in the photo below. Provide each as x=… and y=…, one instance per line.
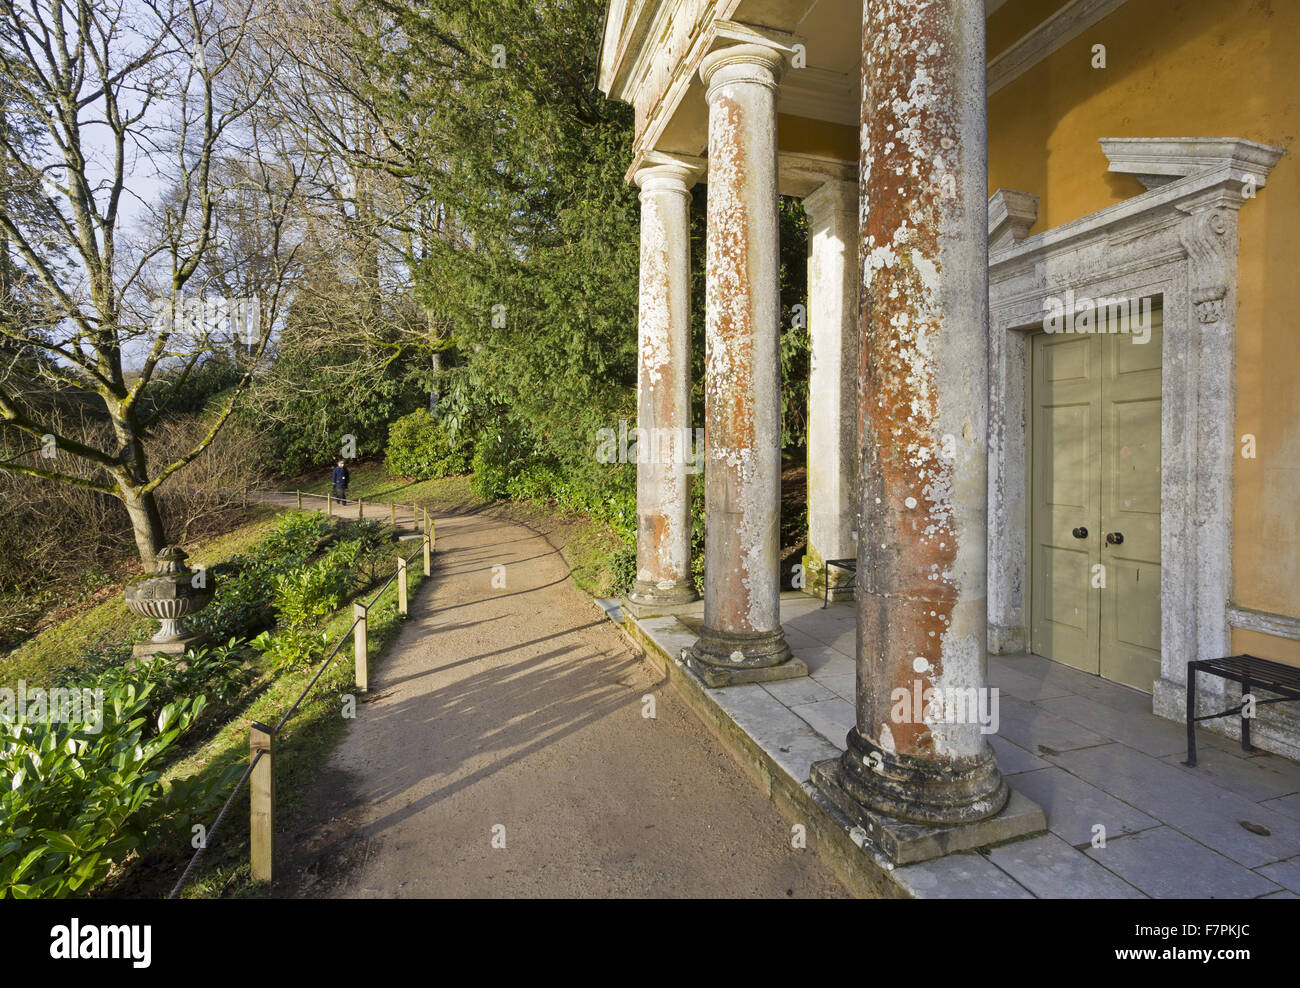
x=261, y=742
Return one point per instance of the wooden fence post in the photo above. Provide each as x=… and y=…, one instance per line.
x=433, y=533
x=329, y=503
x=392, y=512
x=300, y=500
x=428, y=556
x=261, y=800
x=359, y=647
x=361, y=510
x=245, y=498
x=401, y=585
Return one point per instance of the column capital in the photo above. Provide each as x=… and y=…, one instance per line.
x=660, y=171
x=753, y=62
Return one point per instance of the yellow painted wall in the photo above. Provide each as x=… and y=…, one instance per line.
x=801, y=135
x=1192, y=68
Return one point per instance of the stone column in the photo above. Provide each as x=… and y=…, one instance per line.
x=742, y=640
x=832, y=211
x=918, y=751
x=664, y=447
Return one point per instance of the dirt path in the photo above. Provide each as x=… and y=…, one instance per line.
x=514, y=711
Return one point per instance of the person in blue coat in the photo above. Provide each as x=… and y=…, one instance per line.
x=341, y=482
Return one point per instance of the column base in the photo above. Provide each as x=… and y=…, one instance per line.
x=647, y=594
x=723, y=658
x=921, y=790
x=907, y=842
x=641, y=604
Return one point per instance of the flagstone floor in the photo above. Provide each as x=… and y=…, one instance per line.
x=1088, y=751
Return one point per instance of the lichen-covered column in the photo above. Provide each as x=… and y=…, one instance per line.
x=742, y=633
x=832, y=211
x=923, y=418
x=664, y=448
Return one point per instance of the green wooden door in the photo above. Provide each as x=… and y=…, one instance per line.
x=1095, y=491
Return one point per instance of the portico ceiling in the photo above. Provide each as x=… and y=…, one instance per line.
x=652, y=51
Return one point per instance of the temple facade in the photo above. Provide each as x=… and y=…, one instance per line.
x=1054, y=399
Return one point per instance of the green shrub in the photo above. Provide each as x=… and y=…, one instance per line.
x=613, y=503
x=496, y=461
x=75, y=802
x=295, y=534
x=537, y=483
x=304, y=598
x=244, y=587
x=420, y=446
x=622, y=565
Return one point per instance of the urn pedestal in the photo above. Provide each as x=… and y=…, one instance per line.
x=168, y=596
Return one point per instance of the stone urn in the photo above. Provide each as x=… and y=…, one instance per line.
x=167, y=596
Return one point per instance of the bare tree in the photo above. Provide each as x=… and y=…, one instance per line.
x=119, y=89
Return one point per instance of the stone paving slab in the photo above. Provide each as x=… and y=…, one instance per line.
x=1022, y=686
x=1013, y=759
x=1287, y=806
x=1033, y=728
x=829, y=718
x=833, y=665
x=822, y=659
x=846, y=642
x=1209, y=813
x=784, y=735
x=793, y=692
x=1285, y=873
x=1109, y=694
x=1051, y=672
x=1145, y=733
x=670, y=633
x=799, y=641
x=1262, y=778
x=843, y=685
x=1168, y=865
x=960, y=876
x=1076, y=682
x=826, y=632
x=1051, y=869
x=1074, y=807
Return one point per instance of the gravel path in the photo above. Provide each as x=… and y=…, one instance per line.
x=510, y=712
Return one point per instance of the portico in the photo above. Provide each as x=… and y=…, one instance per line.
x=956, y=449
x=898, y=406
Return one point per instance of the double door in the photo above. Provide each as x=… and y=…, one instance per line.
x=1095, y=493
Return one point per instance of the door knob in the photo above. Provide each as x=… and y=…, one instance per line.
x=1080, y=533
x=1115, y=538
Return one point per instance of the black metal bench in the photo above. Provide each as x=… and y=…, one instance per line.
x=1252, y=673
x=850, y=564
